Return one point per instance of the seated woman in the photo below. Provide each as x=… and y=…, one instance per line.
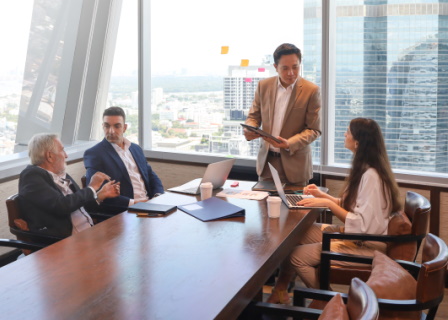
x=369, y=197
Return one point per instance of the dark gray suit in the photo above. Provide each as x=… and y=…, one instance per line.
x=44, y=206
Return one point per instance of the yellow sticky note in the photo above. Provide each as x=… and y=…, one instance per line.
x=224, y=49
x=244, y=62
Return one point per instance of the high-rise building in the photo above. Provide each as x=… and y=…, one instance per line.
x=239, y=91
x=391, y=64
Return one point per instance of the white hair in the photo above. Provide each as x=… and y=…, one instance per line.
x=39, y=145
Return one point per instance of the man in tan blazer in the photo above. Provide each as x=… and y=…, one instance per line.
x=287, y=107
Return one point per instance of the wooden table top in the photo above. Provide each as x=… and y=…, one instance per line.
x=173, y=267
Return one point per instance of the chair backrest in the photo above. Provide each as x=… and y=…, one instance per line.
x=83, y=181
x=19, y=227
x=418, y=210
x=14, y=218
x=431, y=278
x=362, y=303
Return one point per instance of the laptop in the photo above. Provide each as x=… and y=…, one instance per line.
x=289, y=200
x=216, y=173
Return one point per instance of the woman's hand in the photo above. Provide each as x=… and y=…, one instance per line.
x=315, y=202
x=313, y=190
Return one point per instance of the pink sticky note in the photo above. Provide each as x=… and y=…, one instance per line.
x=261, y=69
x=247, y=79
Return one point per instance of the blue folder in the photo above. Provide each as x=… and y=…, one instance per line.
x=212, y=209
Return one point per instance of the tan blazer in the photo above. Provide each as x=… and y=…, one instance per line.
x=301, y=125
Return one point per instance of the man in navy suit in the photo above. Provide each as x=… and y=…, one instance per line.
x=123, y=161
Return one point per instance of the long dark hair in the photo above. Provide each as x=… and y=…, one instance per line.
x=370, y=153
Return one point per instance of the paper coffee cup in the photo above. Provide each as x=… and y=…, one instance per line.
x=274, y=204
x=206, y=190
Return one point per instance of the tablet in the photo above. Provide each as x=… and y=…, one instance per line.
x=260, y=132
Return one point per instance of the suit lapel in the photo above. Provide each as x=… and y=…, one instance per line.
x=293, y=99
x=143, y=171
x=272, y=94
x=116, y=158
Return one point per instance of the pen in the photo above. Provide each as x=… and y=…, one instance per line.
x=146, y=215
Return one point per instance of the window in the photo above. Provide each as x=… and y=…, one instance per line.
x=390, y=65
x=200, y=95
x=15, y=20
x=123, y=87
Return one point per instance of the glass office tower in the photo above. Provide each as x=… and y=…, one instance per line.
x=391, y=64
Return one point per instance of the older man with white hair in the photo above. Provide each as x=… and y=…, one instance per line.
x=50, y=200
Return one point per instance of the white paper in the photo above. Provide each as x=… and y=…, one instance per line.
x=243, y=194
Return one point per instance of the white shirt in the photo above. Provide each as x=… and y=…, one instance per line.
x=371, y=212
x=81, y=220
x=281, y=103
x=138, y=184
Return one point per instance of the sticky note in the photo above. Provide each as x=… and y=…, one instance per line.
x=244, y=62
x=247, y=79
x=224, y=49
x=261, y=69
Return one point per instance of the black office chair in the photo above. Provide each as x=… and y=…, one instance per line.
x=24, y=246
x=19, y=227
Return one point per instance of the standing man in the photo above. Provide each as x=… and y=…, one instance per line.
x=123, y=161
x=50, y=200
x=286, y=106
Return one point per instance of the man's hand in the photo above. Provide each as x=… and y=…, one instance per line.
x=98, y=179
x=283, y=145
x=110, y=189
x=250, y=135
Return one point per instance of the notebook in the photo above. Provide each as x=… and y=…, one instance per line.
x=213, y=209
x=289, y=200
x=149, y=207
x=216, y=173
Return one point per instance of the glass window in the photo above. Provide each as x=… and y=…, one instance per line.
x=123, y=87
x=391, y=69
x=201, y=94
x=15, y=21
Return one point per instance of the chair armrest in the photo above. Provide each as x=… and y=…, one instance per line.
x=35, y=237
x=258, y=308
x=328, y=256
x=100, y=216
x=300, y=294
x=21, y=244
x=328, y=236
x=407, y=305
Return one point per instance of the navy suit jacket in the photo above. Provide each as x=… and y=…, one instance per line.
x=103, y=157
x=43, y=205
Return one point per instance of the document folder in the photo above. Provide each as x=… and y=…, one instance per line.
x=212, y=209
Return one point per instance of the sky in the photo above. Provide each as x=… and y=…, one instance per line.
x=186, y=36
x=15, y=19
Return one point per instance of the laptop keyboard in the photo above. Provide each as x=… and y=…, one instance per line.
x=293, y=199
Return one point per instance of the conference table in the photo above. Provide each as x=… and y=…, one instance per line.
x=171, y=267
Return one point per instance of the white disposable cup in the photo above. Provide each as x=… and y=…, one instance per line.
x=274, y=204
x=206, y=190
